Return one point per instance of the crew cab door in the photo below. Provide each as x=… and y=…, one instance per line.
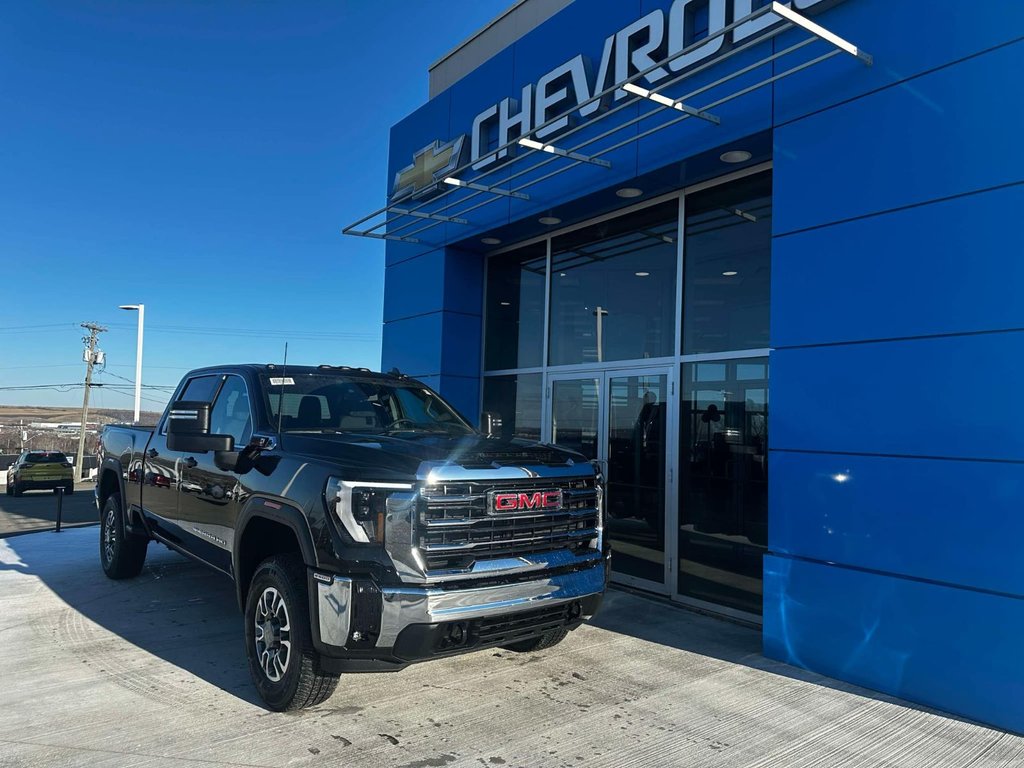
x=211, y=496
x=161, y=475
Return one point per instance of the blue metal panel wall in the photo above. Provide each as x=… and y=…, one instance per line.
x=432, y=322
x=897, y=455
x=897, y=463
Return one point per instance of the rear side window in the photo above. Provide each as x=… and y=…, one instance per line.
x=201, y=388
x=46, y=458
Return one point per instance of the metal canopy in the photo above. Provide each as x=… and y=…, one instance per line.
x=400, y=217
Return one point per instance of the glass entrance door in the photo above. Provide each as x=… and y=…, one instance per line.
x=621, y=419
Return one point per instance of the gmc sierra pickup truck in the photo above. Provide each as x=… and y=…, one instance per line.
x=365, y=523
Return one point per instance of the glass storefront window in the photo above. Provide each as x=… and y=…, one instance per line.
x=613, y=288
x=516, y=402
x=615, y=347
x=726, y=281
x=515, y=309
x=723, y=498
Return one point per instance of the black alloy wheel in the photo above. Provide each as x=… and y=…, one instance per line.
x=282, y=662
x=122, y=554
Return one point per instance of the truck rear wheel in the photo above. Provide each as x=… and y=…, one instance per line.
x=284, y=666
x=548, y=639
x=121, y=554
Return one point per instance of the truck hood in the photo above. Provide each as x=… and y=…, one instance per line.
x=403, y=454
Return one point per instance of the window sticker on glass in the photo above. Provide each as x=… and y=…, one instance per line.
x=281, y=382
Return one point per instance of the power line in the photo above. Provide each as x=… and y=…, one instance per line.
x=33, y=327
x=257, y=332
x=75, y=365
x=58, y=387
x=132, y=382
x=130, y=393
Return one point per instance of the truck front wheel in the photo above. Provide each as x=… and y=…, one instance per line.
x=283, y=664
x=121, y=554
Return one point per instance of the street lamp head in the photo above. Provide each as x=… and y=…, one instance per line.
x=129, y=306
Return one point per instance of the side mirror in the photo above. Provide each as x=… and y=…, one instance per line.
x=188, y=429
x=491, y=423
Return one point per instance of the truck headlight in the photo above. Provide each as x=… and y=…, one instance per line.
x=361, y=507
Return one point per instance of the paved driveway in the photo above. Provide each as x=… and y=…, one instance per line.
x=150, y=672
x=37, y=510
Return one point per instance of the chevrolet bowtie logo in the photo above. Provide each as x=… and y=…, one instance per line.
x=429, y=166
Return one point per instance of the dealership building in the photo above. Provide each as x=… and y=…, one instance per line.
x=763, y=262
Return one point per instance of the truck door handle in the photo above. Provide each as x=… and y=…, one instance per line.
x=189, y=462
x=152, y=453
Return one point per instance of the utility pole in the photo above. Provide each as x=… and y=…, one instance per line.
x=90, y=360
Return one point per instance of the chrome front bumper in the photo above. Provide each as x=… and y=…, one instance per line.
x=405, y=606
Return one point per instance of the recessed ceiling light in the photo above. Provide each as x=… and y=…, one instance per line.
x=730, y=274
x=549, y=220
x=628, y=192
x=561, y=274
x=735, y=156
x=506, y=304
x=642, y=274
x=490, y=241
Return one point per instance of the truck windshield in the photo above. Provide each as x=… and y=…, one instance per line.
x=314, y=402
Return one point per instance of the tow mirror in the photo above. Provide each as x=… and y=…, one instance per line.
x=491, y=424
x=188, y=429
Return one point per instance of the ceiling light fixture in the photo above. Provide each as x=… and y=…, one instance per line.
x=642, y=274
x=506, y=304
x=735, y=156
x=730, y=274
x=490, y=241
x=628, y=192
x=549, y=221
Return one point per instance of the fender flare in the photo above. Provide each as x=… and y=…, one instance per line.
x=115, y=467
x=281, y=512
x=110, y=464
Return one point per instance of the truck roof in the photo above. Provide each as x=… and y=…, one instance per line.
x=323, y=368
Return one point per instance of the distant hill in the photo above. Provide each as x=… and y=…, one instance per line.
x=49, y=439
x=13, y=414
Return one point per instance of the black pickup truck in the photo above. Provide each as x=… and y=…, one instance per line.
x=365, y=523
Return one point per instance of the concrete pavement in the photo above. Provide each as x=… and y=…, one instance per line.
x=37, y=510
x=151, y=672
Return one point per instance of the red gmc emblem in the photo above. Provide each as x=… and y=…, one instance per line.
x=515, y=502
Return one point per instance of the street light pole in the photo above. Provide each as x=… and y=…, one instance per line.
x=141, y=308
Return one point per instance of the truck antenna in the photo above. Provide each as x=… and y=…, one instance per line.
x=280, y=394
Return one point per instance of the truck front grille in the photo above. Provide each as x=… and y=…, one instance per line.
x=456, y=527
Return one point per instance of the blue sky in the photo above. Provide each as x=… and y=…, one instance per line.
x=201, y=158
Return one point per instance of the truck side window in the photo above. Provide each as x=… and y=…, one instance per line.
x=231, y=414
x=201, y=389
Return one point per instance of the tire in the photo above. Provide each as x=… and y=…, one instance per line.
x=121, y=554
x=10, y=489
x=18, y=490
x=69, y=489
x=547, y=640
x=278, y=604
